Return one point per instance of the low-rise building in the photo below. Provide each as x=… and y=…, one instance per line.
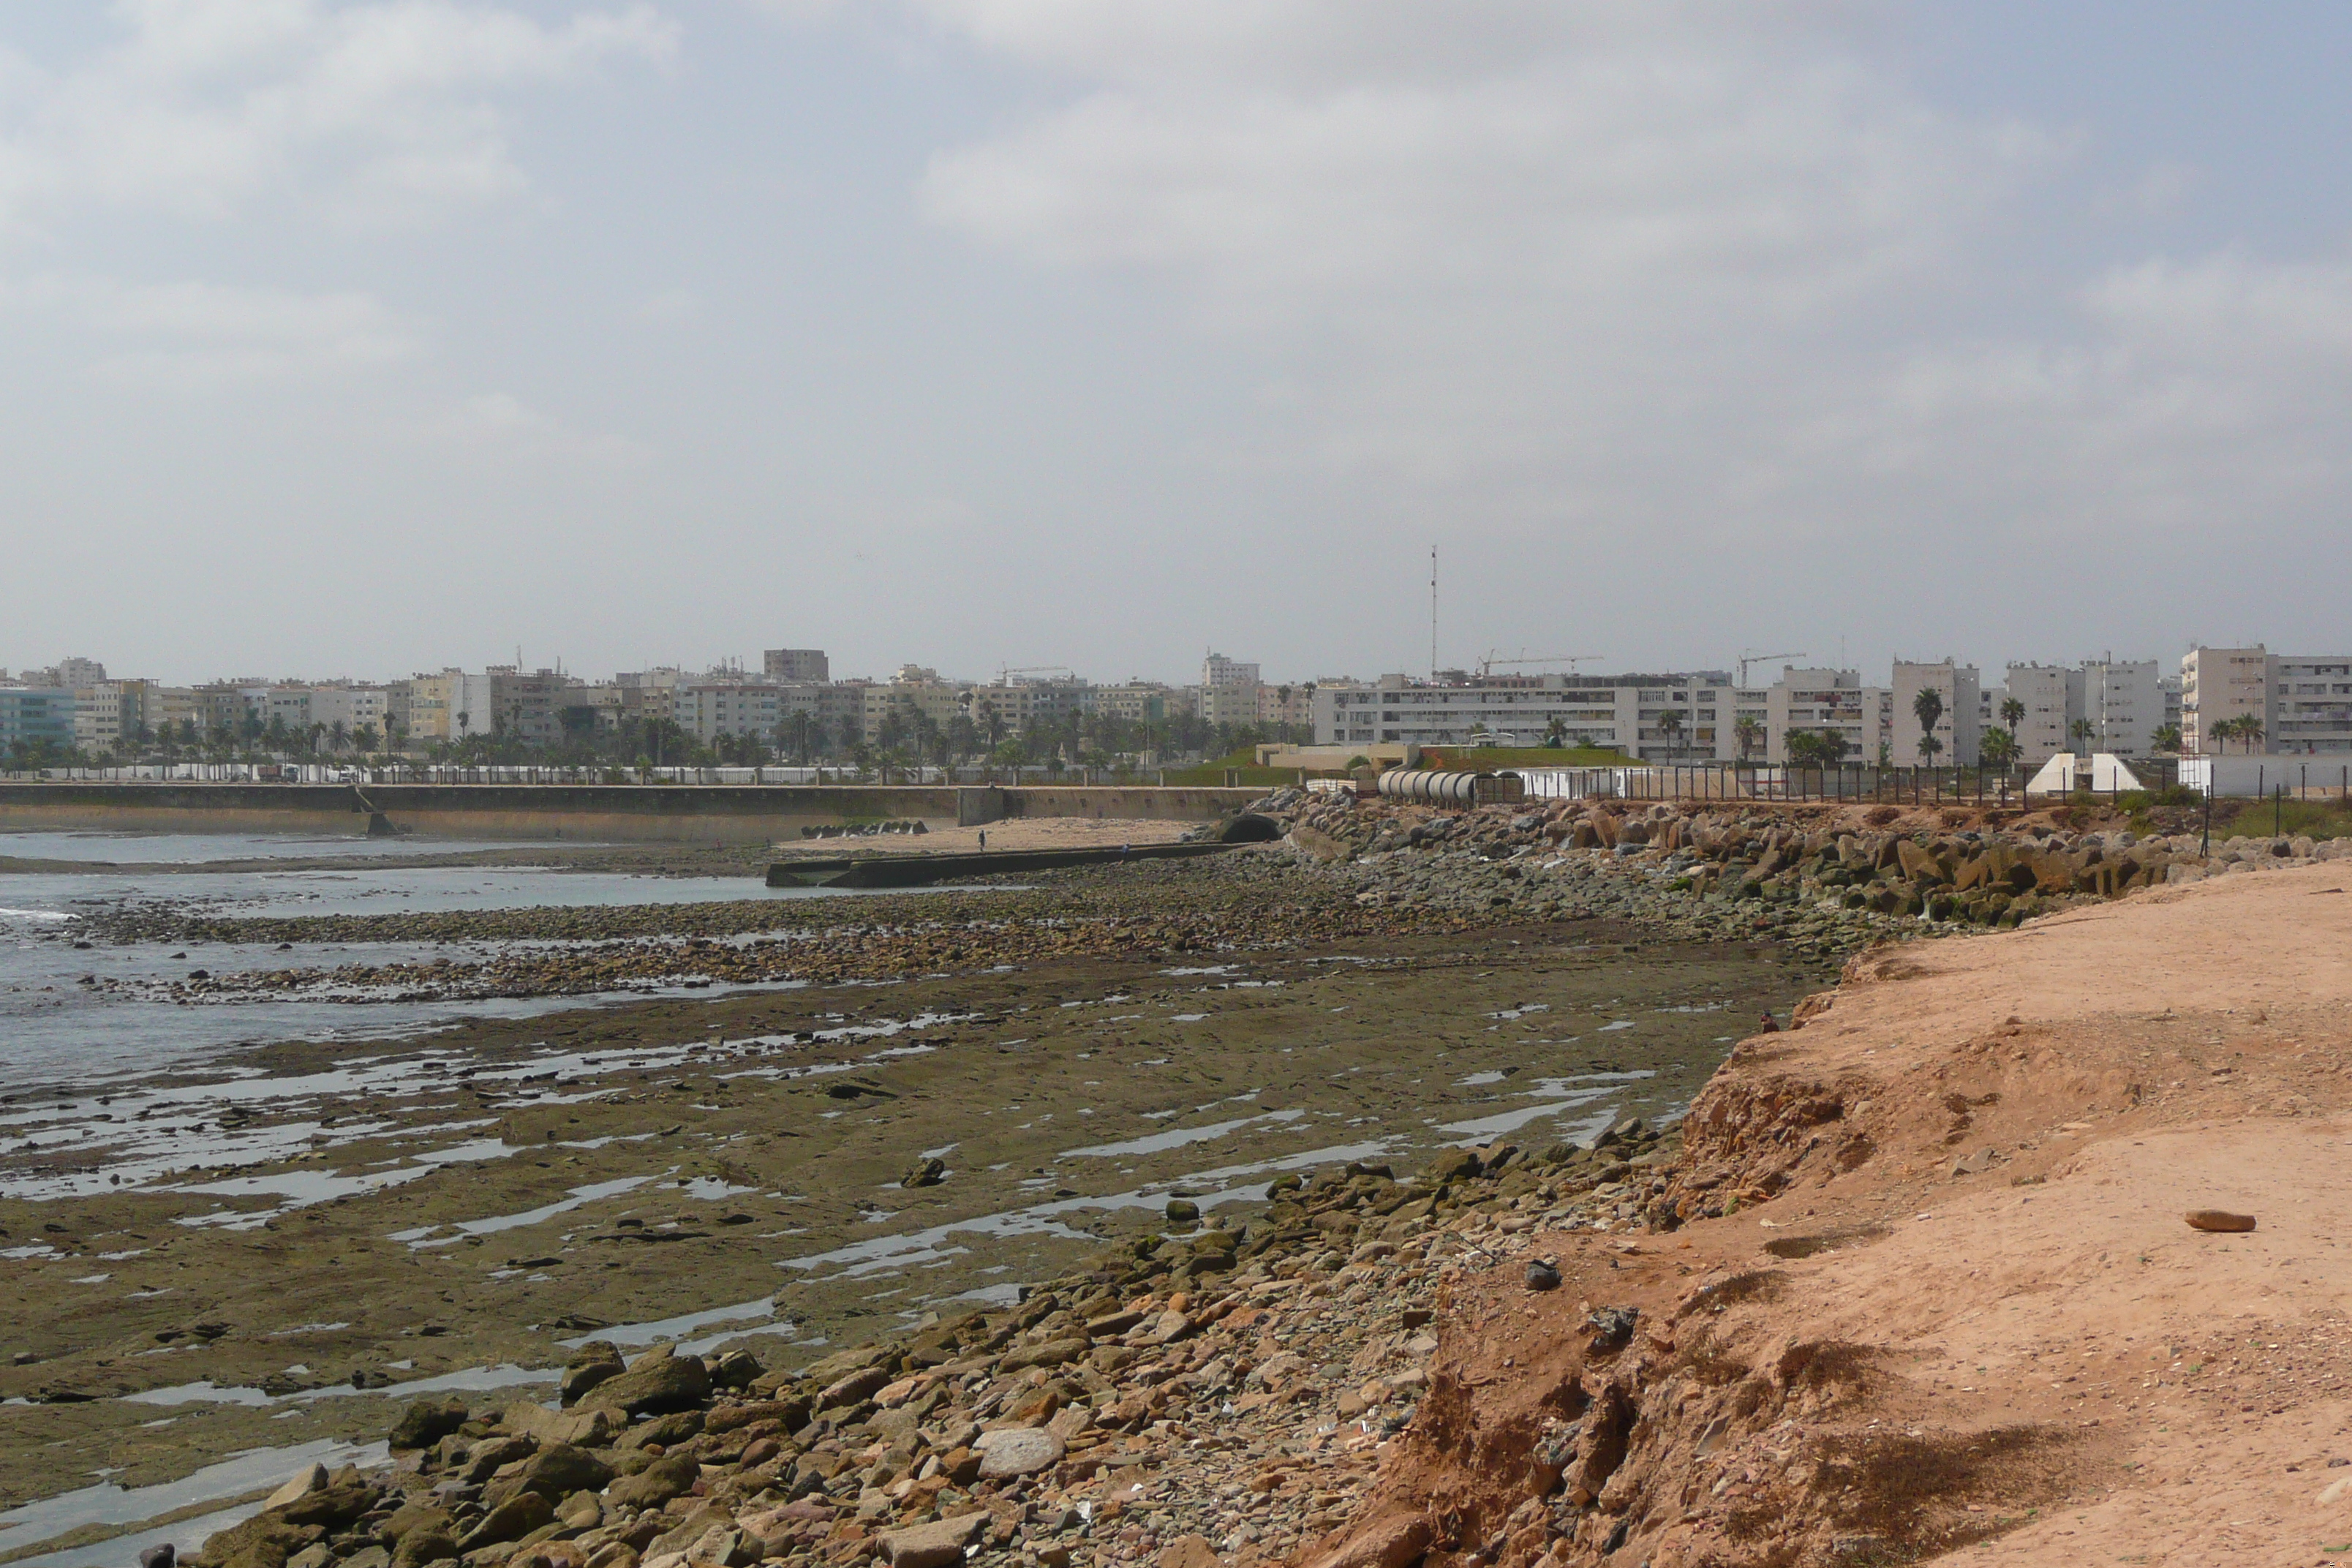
x=1658, y=718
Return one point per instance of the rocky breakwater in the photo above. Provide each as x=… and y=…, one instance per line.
x=1832, y=877
x=1205, y=1393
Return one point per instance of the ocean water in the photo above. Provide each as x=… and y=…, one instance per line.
x=56, y=1029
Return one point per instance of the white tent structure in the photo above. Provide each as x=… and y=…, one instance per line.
x=2109, y=775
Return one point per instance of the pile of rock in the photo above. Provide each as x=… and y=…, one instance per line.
x=1832, y=877
x=1205, y=1392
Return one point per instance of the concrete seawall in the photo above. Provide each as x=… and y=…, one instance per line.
x=695, y=814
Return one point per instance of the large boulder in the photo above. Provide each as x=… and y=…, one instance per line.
x=591, y=1429
x=934, y=1545
x=656, y=1380
x=427, y=1422
x=671, y=1475
x=557, y=1471
x=598, y=1360
x=265, y=1541
x=509, y=1520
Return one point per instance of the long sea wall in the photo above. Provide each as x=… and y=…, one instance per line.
x=703, y=814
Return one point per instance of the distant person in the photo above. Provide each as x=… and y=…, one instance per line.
x=983, y=838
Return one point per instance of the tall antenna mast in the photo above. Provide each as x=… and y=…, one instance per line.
x=1433, y=614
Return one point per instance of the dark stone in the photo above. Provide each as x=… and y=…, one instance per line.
x=656, y=1380
x=427, y=1422
x=598, y=1360
x=671, y=1475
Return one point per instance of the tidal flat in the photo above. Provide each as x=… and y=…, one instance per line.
x=272, y=1247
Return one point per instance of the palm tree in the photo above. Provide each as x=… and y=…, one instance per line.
x=1804, y=749
x=2167, y=737
x=1749, y=734
x=1999, y=747
x=2012, y=713
x=2080, y=731
x=1670, y=725
x=339, y=734
x=2246, y=727
x=1927, y=707
x=1555, y=732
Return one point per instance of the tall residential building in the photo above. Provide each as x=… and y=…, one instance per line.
x=355, y=708
x=740, y=708
x=2310, y=706
x=431, y=706
x=107, y=715
x=503, y=701
x=791, y=665
x=1218, y=670
x=2052, y=696
x=2217, y=685
x=1821, y=701
x=2123, y=701
x=1956, y=726
x=1286, y=705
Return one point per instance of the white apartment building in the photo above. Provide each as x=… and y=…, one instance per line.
x=2052, y=696
x=1956, y=726
x=2123, y=701
x=355, y=708
x=707, y=712
x=105, y=712
x=1658, y=718
x=2310, y=705
x=2217, y=685
x=1822, y=701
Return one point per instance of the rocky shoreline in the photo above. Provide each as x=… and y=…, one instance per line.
x=1205, y=1393
x=1829, y=879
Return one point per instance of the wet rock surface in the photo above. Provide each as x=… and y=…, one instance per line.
x=269, y=1251
x=1222, y=1396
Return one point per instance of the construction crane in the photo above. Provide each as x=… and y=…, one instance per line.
x=1748, y=658
x=1488, y=665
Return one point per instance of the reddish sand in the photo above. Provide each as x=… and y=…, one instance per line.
x=2034, y=1362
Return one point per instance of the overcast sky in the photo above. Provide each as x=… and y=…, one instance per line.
x=371, y=337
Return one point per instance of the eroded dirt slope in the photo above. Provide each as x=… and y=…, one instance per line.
x=1922, y=1285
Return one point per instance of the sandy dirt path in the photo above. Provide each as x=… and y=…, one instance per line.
x=1929, y=1292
